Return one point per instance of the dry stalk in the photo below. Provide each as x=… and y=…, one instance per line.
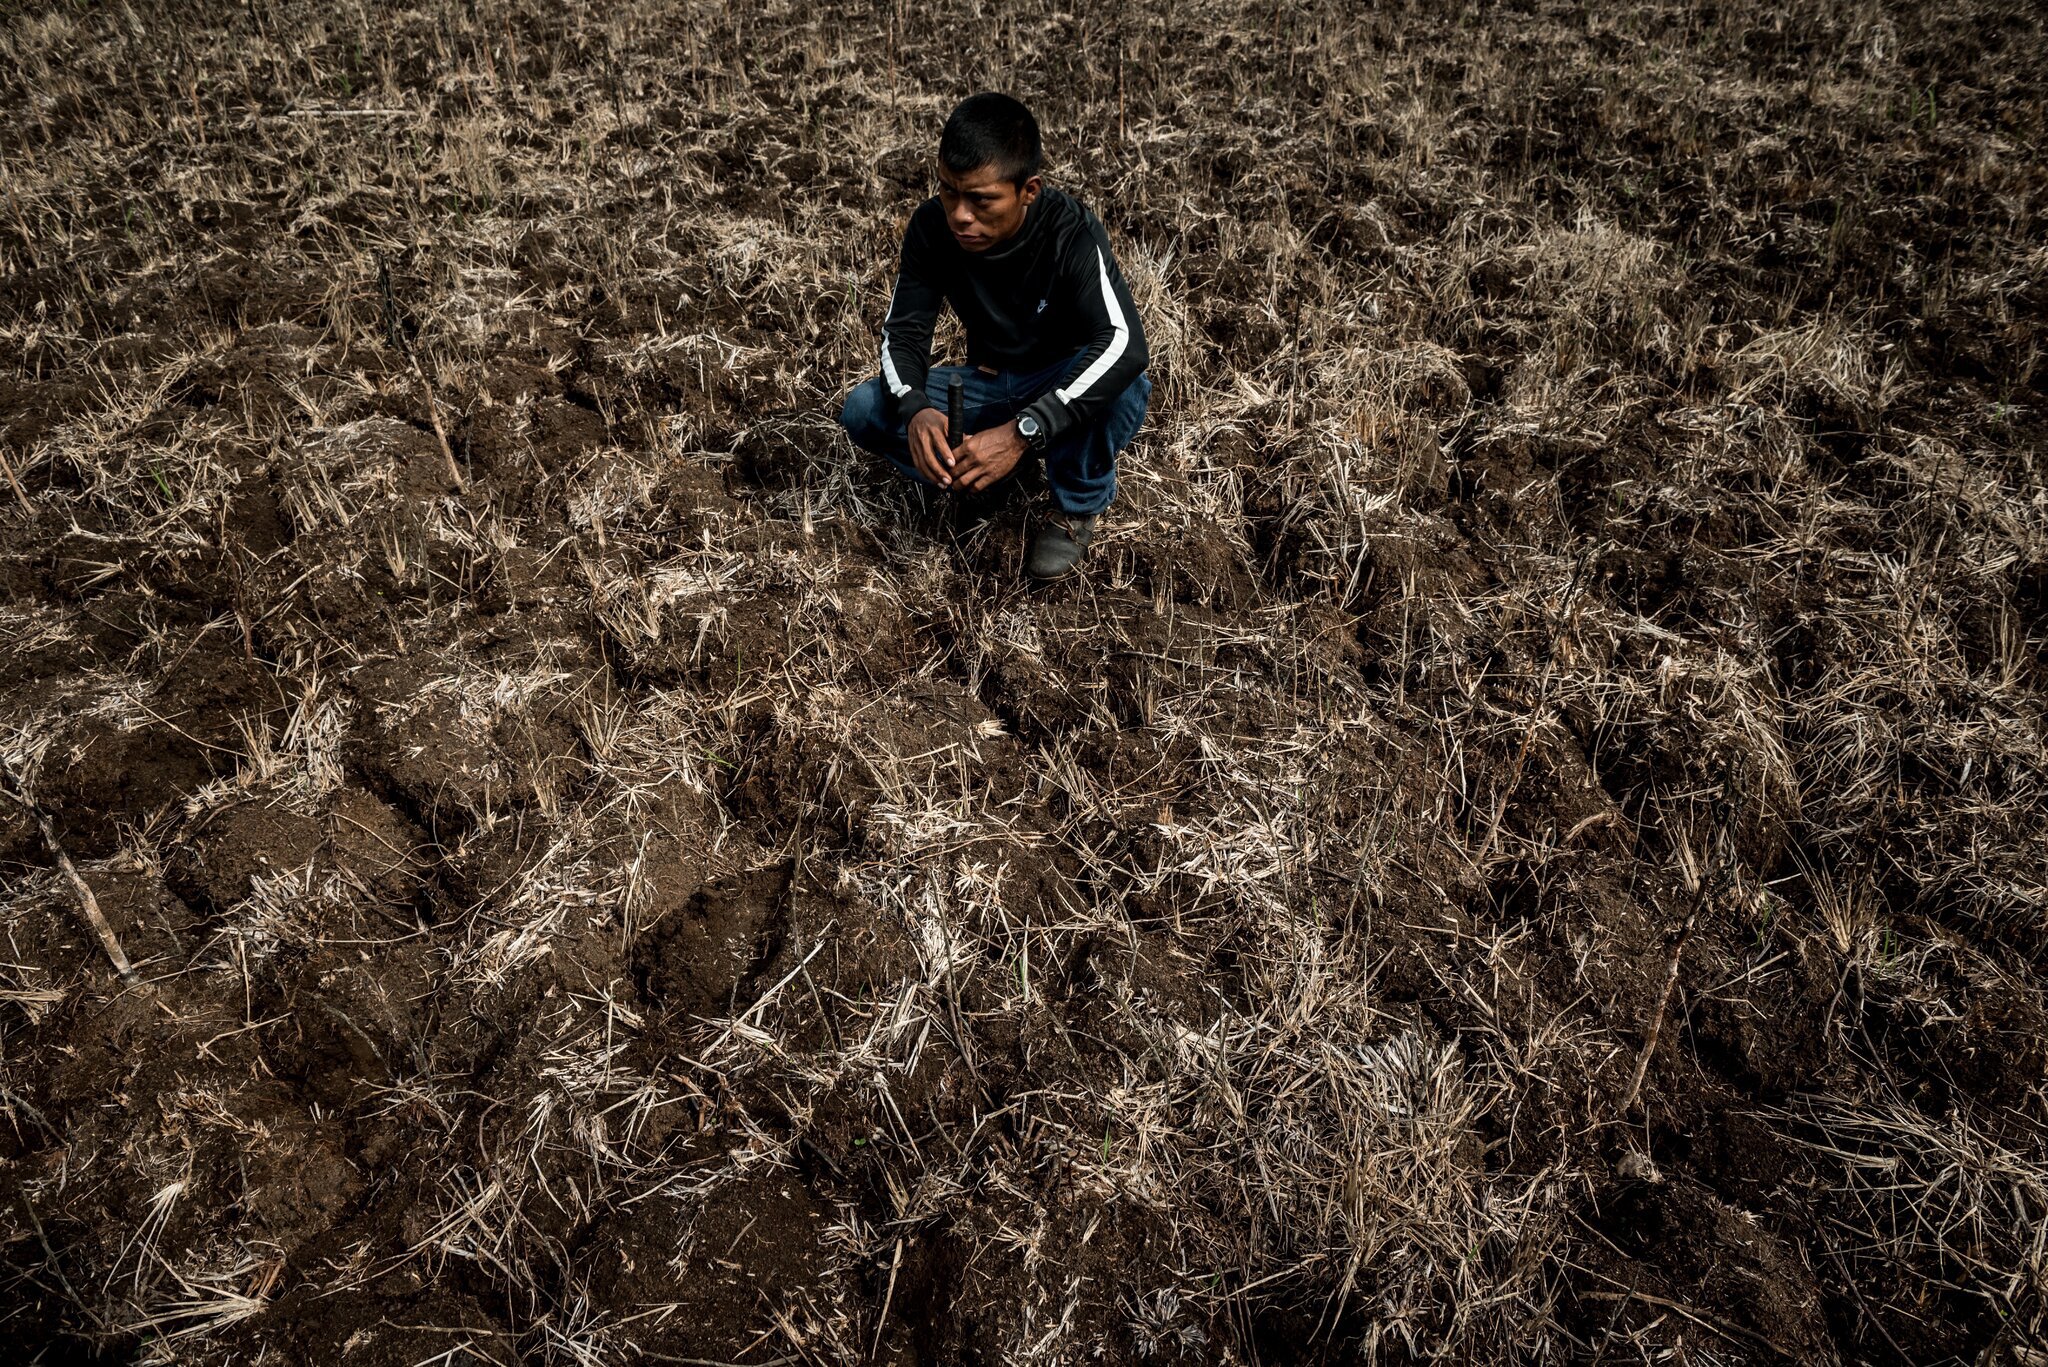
x=88, y=904
x=7, y=468
x=434, y=416
x=1656, y=1030
x=1710, y=882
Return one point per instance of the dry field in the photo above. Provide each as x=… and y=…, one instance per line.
x=1528, y=842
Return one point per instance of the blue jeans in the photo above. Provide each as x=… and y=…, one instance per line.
x=1080, y=466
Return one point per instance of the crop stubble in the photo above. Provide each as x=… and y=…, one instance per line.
x=1526, y=842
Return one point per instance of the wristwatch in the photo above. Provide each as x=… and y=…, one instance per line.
x=1033, y=434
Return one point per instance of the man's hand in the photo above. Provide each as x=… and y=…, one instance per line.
x=928, y=449
x=987, y=456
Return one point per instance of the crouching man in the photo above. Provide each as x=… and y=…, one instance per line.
x=1055, y=352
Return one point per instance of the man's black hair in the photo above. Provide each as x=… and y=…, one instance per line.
x=991, y=130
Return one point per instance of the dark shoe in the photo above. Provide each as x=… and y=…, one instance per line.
x=1060, y=543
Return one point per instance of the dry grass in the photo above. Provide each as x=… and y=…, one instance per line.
x=1574, y=620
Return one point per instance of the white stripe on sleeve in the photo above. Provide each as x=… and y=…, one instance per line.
x=1111, y=352
x=889, y=375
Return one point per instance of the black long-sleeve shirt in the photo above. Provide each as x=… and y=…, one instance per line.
x=1050, y=291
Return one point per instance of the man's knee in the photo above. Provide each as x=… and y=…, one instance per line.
x=866, y=414
x=1127, y=414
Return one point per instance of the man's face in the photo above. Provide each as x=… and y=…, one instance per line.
x=983, y=207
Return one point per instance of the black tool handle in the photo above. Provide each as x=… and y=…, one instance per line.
x=956, y=404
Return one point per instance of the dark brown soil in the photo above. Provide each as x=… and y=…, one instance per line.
x=1525, y=841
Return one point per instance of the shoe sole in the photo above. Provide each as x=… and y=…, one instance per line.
x=1056, y=574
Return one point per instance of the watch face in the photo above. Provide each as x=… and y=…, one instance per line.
x=1028, y=425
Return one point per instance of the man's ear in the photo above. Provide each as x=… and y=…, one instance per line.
x=1028, y=191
